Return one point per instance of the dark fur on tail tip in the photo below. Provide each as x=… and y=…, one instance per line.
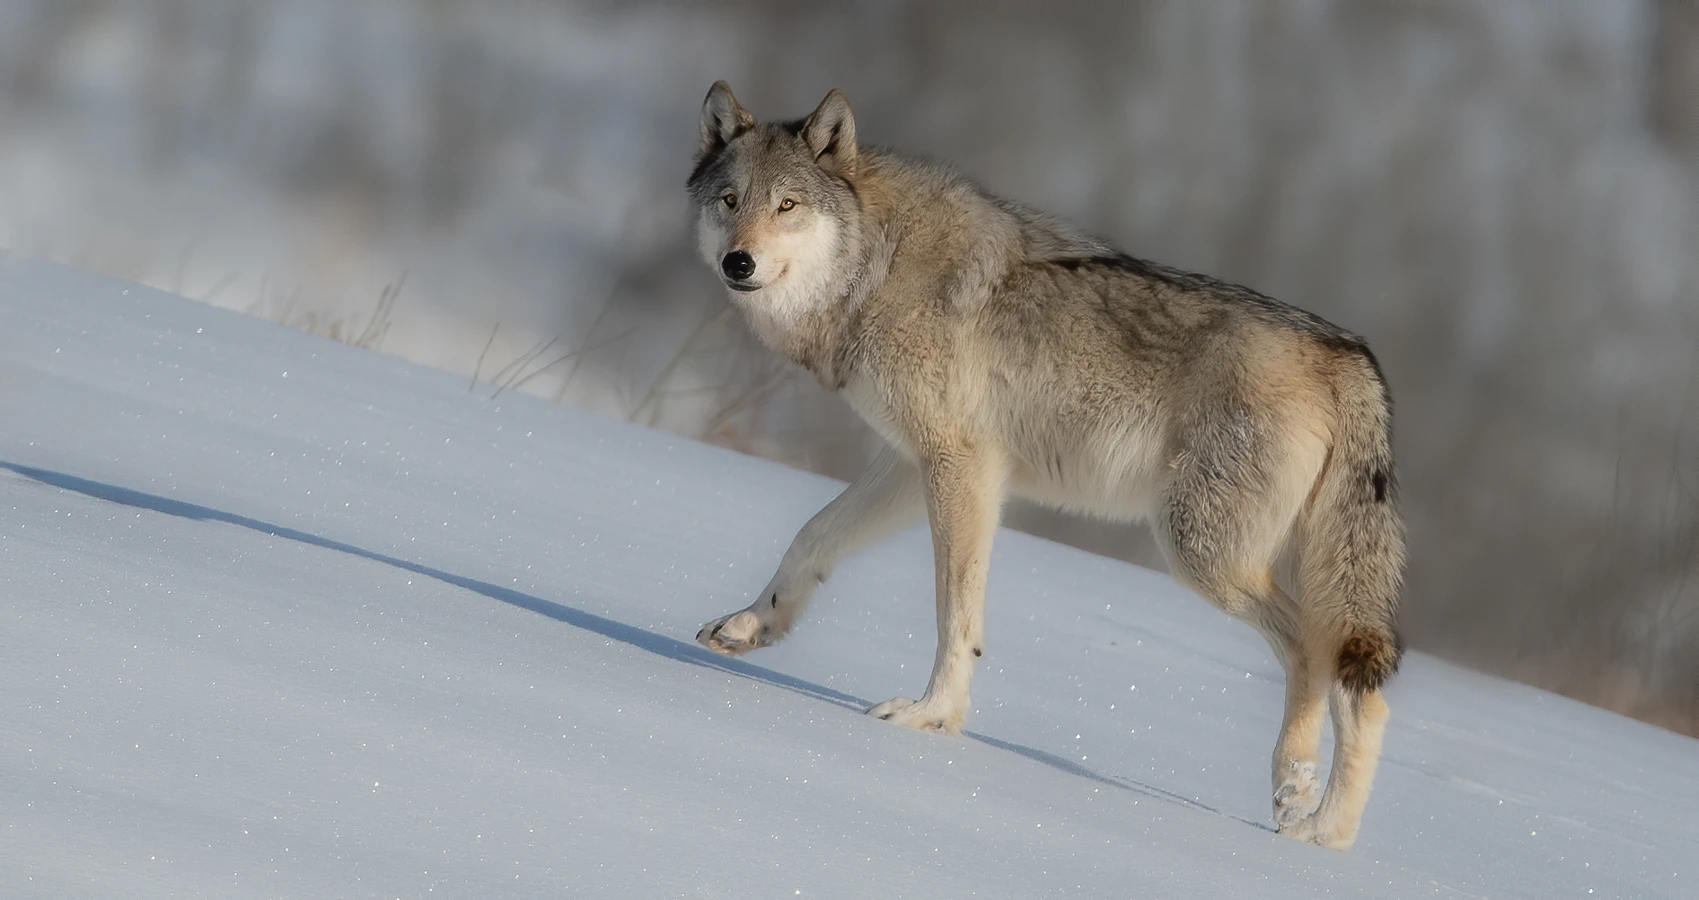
x=1367, y=660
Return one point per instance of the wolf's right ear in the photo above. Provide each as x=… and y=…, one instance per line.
x=723, y=118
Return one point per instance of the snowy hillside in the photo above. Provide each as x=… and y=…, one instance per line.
x=280, y=618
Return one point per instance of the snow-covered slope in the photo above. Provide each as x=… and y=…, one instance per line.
x=280, y=618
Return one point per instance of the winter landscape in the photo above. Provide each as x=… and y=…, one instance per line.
x=1503, y=197
x=285, y=618
x=367, y=431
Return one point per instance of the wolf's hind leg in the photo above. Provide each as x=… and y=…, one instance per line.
x=1296, y=775
x=1297, y=778
x=1225, y=518
x=1274, y=614
x=886, y=497
x=1359, y=724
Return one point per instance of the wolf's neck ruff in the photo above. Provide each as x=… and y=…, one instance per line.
x=811, y=323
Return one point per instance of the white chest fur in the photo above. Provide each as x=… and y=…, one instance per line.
x=869, y=400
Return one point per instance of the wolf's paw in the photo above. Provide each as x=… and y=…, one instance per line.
x=1311, y=830
x=736, y=634
x=1298, y=793
x=918, y=715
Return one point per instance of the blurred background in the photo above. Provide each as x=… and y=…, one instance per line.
x=1502, y=195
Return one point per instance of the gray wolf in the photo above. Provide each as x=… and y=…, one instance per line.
x=999, y=350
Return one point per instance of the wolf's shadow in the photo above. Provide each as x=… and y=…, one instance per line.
x=630, y=635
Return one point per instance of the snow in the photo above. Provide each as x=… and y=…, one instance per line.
x=283, y=618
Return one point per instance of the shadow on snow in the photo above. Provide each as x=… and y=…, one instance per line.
x=630, y=635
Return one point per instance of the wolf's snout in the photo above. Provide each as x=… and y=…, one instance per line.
x=738, y=265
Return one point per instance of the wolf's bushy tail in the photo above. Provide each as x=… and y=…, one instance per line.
x=1352, y=556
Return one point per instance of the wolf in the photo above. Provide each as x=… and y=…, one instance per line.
x=999, y=350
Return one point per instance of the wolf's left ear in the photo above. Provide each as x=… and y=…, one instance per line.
x=723, y=118
x=830, y=133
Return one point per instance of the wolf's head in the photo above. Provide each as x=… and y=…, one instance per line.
x=775, y=209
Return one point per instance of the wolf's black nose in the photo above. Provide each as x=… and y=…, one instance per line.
x=738, y=265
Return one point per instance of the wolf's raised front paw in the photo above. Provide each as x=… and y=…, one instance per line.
x=918, y=715
x=1298, y=793
x=735, y=635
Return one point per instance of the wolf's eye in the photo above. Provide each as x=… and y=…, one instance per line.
x=786, y=205
x=731, y=200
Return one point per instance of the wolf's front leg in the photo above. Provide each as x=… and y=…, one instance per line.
x=964, y=495
x=882, y=500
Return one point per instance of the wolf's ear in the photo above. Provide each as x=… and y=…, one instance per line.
x=830, y=133
x=723, y=118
